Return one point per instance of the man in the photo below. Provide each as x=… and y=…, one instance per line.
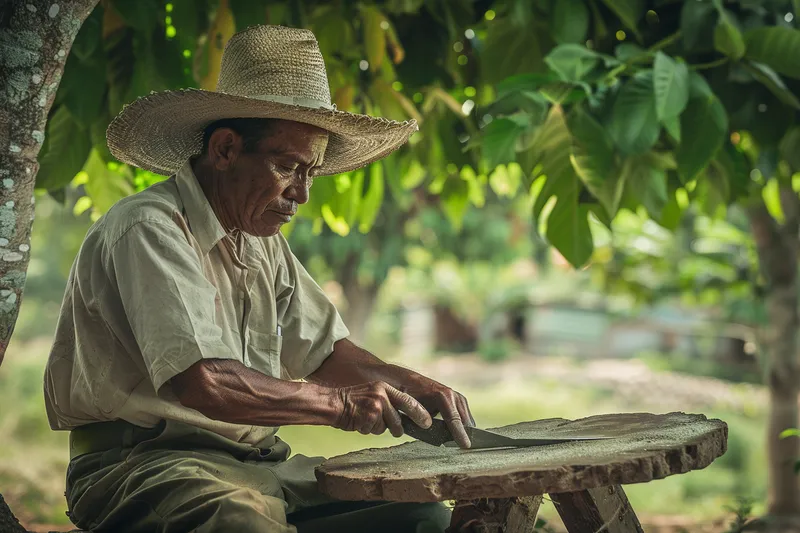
x=187, y=321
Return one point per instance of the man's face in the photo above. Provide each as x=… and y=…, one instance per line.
x=260, y=191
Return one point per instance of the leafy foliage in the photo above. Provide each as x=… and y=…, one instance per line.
x=590, y=107
x=680, y=112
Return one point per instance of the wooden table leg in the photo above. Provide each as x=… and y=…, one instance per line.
x=501, y=515
x=605, y=509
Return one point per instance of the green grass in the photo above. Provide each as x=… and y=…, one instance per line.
x=33, y=458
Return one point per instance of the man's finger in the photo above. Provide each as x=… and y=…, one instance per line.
x=456, y=426
x=392, y=419
x=409, y=406
x=463, y=410
x=379, y=427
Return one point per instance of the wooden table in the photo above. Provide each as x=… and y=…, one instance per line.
x=500, y=490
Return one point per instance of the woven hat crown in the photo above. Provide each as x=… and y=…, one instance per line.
x=275, y=63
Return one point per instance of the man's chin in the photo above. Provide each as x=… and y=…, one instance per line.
x=266, y=230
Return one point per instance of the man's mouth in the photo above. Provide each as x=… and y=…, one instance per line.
x=285, y=216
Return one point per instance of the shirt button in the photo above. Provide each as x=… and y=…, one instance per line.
x=247, y=363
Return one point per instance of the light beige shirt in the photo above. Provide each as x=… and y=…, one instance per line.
x=157, y=286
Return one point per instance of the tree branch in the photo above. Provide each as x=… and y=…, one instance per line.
x=35, y=40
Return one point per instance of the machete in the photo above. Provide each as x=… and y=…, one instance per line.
x=439, y=435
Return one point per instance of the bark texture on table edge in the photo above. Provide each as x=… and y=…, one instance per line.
x=657, y=464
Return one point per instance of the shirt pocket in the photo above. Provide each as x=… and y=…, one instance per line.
x=264, y=353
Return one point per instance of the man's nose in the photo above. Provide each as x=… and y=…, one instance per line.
x=298, y=191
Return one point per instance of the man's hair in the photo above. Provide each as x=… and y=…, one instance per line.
x=252, y=131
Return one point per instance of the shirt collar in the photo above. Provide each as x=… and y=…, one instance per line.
x=203, y=222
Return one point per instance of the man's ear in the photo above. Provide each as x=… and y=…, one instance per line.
x=224, y=147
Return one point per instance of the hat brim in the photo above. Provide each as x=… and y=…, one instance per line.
x=159, y=132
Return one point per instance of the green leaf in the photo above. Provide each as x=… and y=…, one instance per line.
x=697, y=19
x=570, y=21
x=414, y=176
x=508, y=51
x=571, y=61
x=337, y=223
x=371, y=203
x=772, y=81
x=167, y=64
x=524, y=82
x=505, y=180
x=727, y=37
x=647, y=182
x=97, y=135
x=736, y=168
x=104, y=186
x=704, y=127
x=634, y=123
x=528, y=101
x=593, y=160
x=500, y=140
x=85, y=102
x=374, y=37
x=334, y=33
x=790, y=149
x=671, y=85
x=118, y=48
x=671, y=213
x=455, y=200
x=81, y=205
x=475, y=185
x=786, y=433
x=568, y=230
x=141, y=15
x=628, y=51
x=89, y=36
x=772, y=200
x=629, y=12
x=553, y=144
x=673, y=127
x=66, y=147
x=563, y=92
x=776, y=47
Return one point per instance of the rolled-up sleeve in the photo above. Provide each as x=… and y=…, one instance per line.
x=310, y=323
x=169, y=304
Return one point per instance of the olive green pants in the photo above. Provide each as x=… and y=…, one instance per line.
x=185, y=479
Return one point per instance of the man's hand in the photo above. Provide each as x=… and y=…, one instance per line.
x=453, y=406
x=373, y=407
x=352, y=368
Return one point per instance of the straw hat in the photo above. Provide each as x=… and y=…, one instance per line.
x=266, y=72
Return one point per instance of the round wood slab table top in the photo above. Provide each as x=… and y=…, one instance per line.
x=644, y=447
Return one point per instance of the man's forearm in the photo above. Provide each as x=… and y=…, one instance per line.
x=228, y=391
x=351, y=365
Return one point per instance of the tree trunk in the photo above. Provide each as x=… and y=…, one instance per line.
x=777, y=253
x=360, y=300
x=35, y=40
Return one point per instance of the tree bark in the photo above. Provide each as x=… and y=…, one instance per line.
x=360, y=300
x=35, y=40
x=777, y=254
